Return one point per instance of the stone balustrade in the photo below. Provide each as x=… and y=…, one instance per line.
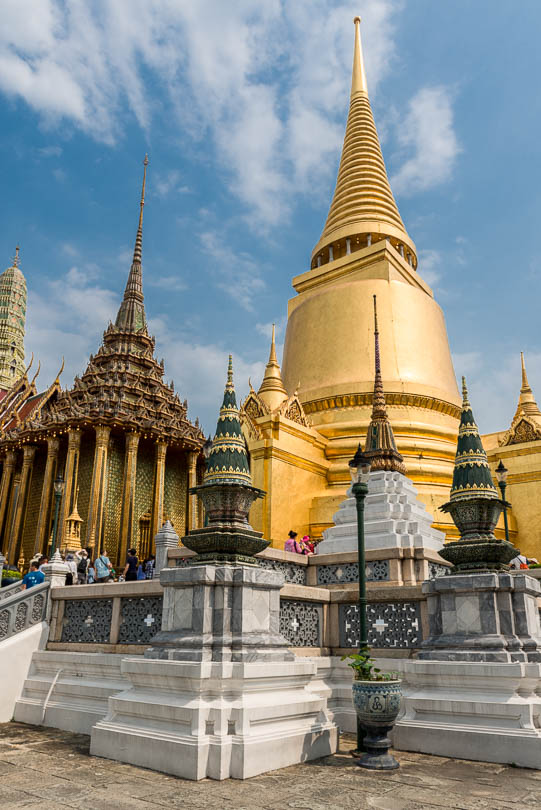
x=123, y=617
x=9, y=590
x=20, y=609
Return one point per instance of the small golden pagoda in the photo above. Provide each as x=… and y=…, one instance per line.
x=120, y=436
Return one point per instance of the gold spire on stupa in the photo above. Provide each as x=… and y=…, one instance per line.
x=380, y=444
x=272, y=389
x=363, y=209
x=526, y=401
x=131, y=315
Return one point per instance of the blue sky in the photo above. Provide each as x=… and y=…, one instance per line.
x=242, y=107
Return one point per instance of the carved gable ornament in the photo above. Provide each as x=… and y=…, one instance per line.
x=524, y=429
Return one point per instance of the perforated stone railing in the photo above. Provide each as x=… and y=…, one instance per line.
x=9, y=590
x=22, y=610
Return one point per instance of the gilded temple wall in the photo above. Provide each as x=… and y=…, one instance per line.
x=84, y=479
x=30, y=520
x=113, y=503
x=176, y=490
x=144, y=486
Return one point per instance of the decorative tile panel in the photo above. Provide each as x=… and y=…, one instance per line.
x=140, y=619
x=20, y=616
x=4, y=623
x=300, y=622
x=292, y=572
x=437, y=570
x=376, y=571
x=38, y=608
x=87, y=620
x=390, y=624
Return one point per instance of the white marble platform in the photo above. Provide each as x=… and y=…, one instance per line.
x=215, y=719
x=394, y=517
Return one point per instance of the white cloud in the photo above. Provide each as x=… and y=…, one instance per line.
x=429, y=262
x=50, y=151
x=164, y=184
x=265, y=85
x=171, y=283
x=427, y=131
x=237, y=274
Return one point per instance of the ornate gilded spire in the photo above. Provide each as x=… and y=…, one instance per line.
x=526, y=400
x=12, y=323
x=380, y=444
x=272, y=389
x=471, y=477
x=363, y=209
x=228, y=459
x=131, y=315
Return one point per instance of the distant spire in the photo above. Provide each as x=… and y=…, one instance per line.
x=272, y=389
x=363, y=209
x=16, y=257
x=228, y=459
x=526, y=400
x=131, y=315
x=471, y=477
x=380, y=444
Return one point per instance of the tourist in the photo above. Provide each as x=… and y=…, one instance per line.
x=130, y=569
x=292, y=544
x=307, y=545
x=90, y=574
x=148, y=566
x=42, y=561
x=102, y=568
x=83, y=562
x=71, y=576
x=34, y=577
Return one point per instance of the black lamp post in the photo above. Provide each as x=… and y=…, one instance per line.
x=501, y=475
x=359, y=467
x=58, y=489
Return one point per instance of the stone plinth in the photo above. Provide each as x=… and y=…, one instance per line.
x=393, y=518
x=483, y=617
x=165, y=539
x=482, y=711
x=220, y=613
x=217, y=720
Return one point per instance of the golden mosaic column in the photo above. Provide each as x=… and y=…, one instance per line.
x=7, y=474
x=159, y=486
x=29, y=451
x=97, y=491
x=40, y=544
x=193, y=513
x=128, y=496
x=70, y=482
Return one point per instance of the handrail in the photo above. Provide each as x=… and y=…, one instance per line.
x=9, y=590
x=22, y=610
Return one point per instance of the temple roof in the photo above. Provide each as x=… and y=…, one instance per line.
x=526, y=400
x=228, y=459
x=471, y=477
x=272, y=389
x=380, y=444
x=526, y=424
x=363, y=203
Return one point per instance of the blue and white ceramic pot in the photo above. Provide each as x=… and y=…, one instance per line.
x=377, y=704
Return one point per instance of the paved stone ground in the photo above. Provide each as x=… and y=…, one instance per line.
x=43, y=768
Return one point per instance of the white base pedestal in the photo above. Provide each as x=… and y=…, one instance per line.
x=217, y=720
x=393, y=518
x=489, y=712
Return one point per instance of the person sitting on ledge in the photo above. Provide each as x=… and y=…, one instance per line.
x=291, y=543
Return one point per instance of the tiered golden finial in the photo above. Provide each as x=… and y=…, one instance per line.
x=380, y=444
x=72, y=539
x=16, y=257
x=526, y=400
x=363, y=209
x=272, y=389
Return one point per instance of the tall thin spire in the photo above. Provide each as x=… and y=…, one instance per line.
x=358, y=79
x=380, y=444
x=131, y=315
x=16, y=257
x=526, y=400
x=363, y=209
x=272, y=389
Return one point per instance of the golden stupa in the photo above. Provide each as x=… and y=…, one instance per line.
x=328, y=359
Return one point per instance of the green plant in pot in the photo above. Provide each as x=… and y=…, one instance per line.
x=376, y=698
